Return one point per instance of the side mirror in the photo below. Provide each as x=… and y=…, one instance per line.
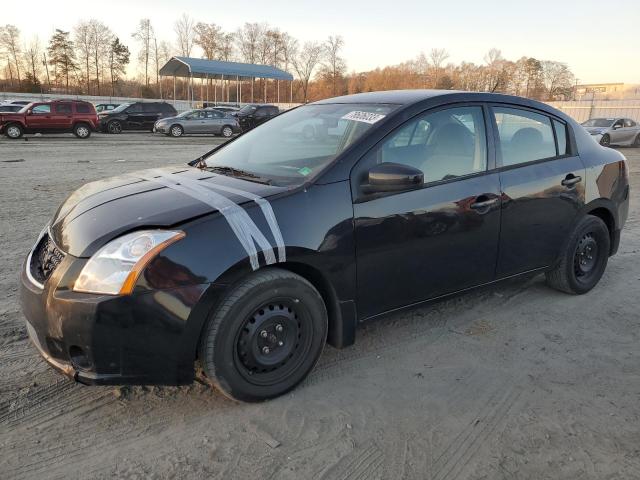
x=616, y=127
x=29, y=112
x=393, y=177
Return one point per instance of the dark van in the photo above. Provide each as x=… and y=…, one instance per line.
x=135, y=116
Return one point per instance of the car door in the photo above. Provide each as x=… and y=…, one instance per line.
x=39, y=118
x=261, y=115
x=630, y=131
x=135, y=116
x=616, y=134
x=442, y=235
x=151, y=114
x=214, y=122
x=542, y=181
x=62, y=116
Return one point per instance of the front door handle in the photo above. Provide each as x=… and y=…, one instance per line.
x=483, y=203
x=571, y=180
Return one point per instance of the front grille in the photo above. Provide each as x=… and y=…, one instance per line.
x=44, y=259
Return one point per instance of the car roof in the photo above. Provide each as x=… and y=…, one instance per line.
x=399, y=97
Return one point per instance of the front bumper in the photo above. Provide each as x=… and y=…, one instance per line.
x=161, y=129
x=145, y=338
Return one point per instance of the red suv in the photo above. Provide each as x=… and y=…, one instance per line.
x=57, y=116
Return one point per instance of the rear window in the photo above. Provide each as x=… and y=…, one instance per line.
x=83, y=108
x=63, y=108
x=525, y=136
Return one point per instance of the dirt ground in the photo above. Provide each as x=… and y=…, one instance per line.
x=517, y=381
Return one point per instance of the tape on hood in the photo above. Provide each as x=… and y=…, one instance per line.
x=238, y=219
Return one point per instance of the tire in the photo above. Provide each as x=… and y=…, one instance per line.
x=114, y=127
x=226, y=131
x=265, y=337
x=14, y=131
x=605, y=141
x=636, y=142
x=176, y=131
x=584, y=258
x=82, y=130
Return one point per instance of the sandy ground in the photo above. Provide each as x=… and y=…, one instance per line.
x=517, y=381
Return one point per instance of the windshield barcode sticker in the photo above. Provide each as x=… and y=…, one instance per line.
x=366, y=117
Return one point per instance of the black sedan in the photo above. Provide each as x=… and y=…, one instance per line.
x=254, y=255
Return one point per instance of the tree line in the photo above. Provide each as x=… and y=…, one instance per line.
x=91, y=59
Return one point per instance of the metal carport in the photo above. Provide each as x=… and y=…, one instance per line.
x=187, y=67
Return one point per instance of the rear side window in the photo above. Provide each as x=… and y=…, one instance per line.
x=561, y=137
x=63, y=108
x=83, y=108
x=524, y=136
x=165, y=107
x=134, y=108
x=150, y=107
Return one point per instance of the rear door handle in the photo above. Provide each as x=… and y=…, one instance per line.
x=571, y=180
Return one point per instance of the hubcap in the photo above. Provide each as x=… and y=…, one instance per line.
x=83, y=131
x=176, y=131
x=13, y=132
x=586, y=256
x=226, y=132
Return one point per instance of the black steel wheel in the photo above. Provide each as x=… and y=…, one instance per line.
x=605, y=141
x=584, y=259
x=265, y=337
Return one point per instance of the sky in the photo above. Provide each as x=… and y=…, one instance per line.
x=600, y=41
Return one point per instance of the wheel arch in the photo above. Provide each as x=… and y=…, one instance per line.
x=604, y=209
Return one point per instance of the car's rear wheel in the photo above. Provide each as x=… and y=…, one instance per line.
x=81, y=130
x=14, y=131
x=176, y=131
x=584, y=259
x=265, y=337
x=227, y=131
x=636, y=142
x=114, y=127
x=605, y=141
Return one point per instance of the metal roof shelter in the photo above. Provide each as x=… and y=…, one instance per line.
x=186, y=67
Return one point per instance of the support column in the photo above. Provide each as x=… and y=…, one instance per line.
x=291, y=92
x=174, y=90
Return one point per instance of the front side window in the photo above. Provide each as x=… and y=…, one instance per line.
x=444, y=144
x=524, y=136
x=293, y=147
x=629, y=123
x=41, y=109
x=618, y=124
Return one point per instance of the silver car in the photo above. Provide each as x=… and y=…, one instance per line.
x=203, y=121
x=614, y=131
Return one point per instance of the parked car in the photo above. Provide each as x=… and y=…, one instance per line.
x=210, y=121
x=10, y=108
x=105, y=107
x=58, y=116
x=614, y=131
x=135, y=116
x=252, y=256
x=252, y=115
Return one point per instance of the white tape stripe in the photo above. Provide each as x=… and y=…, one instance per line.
x=248, y=225
x=244, y=228
x=267, y=210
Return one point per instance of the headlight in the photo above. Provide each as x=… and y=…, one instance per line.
x=115, y=268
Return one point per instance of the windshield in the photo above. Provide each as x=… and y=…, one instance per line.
x=247, y=109
x=599, y=122
x=119, y=108
x=291, y=147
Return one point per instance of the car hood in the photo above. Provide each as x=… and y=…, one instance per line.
x=596, y=129
x=103, y=210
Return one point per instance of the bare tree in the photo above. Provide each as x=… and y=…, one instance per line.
x=334, y=65
x=437, y=56
x=144, y=35
x=10, y=43
x=101, y=39
x=82, y=40
x=558, y=79
x=305, y=62
x=208, y=38
x=161, y=55
x=32, y=53
x=185, y=32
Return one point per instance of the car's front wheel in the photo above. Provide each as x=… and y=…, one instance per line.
x=265, y=337
x=14, y=131
x=176, y=131
x=584, y=259
x=605, y=141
